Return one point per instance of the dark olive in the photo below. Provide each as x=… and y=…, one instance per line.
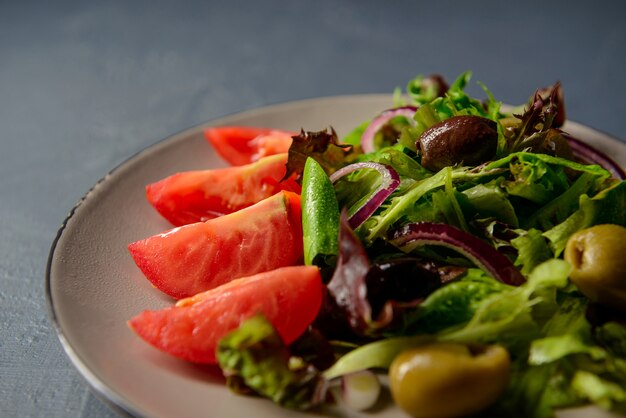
x=466, y=140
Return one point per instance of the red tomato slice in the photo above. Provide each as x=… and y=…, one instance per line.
x=239, y=145
x=200, y=256
x=290, y=298
x=196, y=196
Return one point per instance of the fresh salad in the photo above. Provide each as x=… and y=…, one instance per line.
x=469, y=256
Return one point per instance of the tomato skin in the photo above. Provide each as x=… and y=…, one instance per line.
x=290, y=298
x=196, y=196
x=239, y=145
x=197, y=257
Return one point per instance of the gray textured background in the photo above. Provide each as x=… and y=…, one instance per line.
x=84, y=85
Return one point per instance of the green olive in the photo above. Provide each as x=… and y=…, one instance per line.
x=447, y=380
x=598, y=258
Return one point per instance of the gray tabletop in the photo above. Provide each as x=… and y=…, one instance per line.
x=84, y=85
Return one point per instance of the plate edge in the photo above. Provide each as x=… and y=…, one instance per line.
x=111, y=398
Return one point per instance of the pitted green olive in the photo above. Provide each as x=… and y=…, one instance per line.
x=598, y=258
x=448, y=380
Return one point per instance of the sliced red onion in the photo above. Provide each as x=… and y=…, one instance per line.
x=389, y=183
x=359, y=390
x=479, y=252
x=367, y=139
x=590, y=155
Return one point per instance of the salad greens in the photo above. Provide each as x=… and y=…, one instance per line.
x=255, y=358
x=525, y=201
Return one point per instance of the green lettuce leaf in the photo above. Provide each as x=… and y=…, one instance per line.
x=489, y=200
x=548, y=159
x=568, y=362
x=602, y=392
x=534, y=392
x=612, y=336
x=453, y=304
x=254, y=357
x=559, y=208
x=457, y=102
x=535, y=180
x=508, y=317
x=532, y=249
x=407, y=204
x=607, y=206
x=566, y=333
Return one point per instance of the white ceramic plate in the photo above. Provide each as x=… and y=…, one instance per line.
x=94, y=287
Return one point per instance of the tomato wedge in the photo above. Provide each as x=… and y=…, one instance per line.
x=239, y=145
x=196, y=196
x=197, y=257
x=290, y=298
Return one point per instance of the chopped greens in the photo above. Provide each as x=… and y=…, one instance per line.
x=255, y=358
x=385, y=296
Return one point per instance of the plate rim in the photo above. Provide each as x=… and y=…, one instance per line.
x=109, y=396
x=101, y=390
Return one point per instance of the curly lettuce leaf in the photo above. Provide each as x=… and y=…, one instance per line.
x=570, y=364
x=612, y=336
x=548, y=159
x=508, y=317
x=457, y=102
x=254, y=357
x=536, y=125
x=535, y=180
x=537, y=175
x=559, y=208
x=489, y=200
x=534, y=392
x=437, y=102
x=527, y=248
x=566, y=333
x=602, y=392
x=607, y=206
x=532, y=249
x=453, y=304
x=323, y=147
x=451, y=100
